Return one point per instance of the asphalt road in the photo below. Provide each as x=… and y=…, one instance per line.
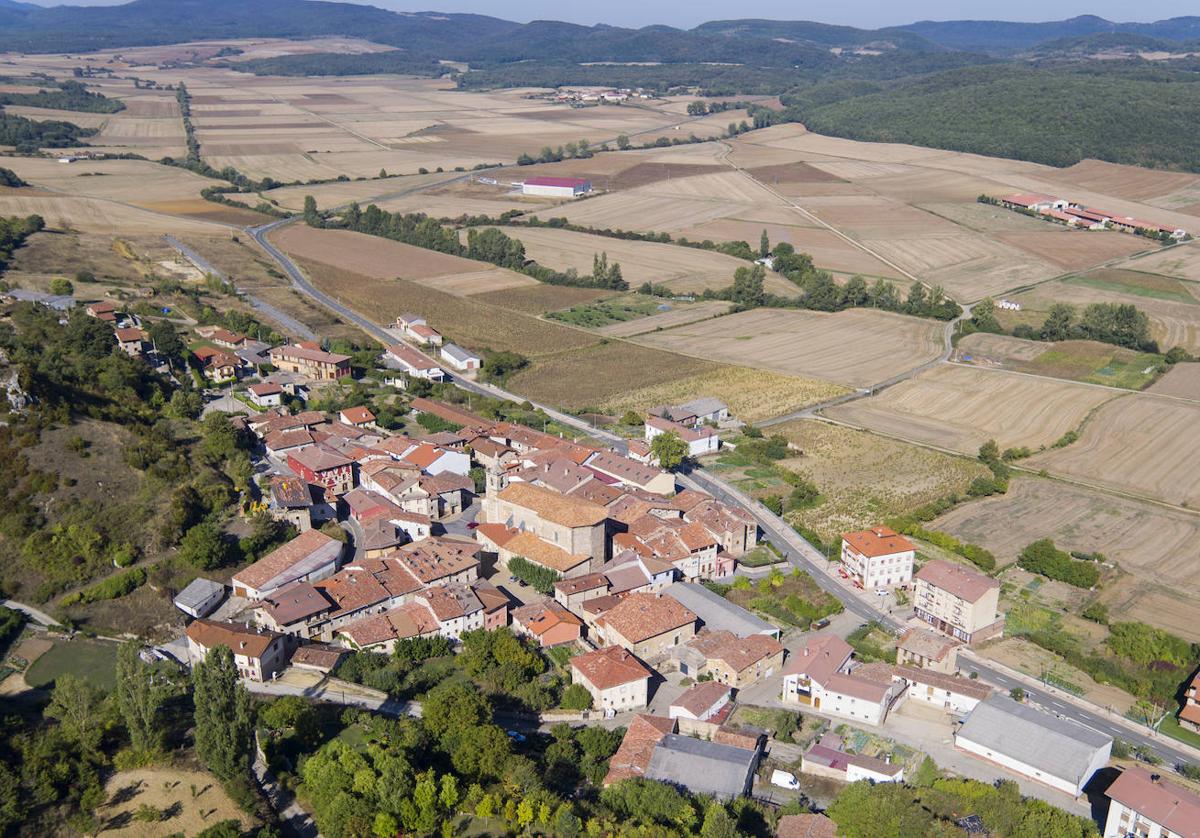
x=797, y=551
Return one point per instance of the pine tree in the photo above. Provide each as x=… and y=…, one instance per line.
x=141, y=693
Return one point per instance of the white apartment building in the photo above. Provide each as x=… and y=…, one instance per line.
x=958, y=601
x=878, y=558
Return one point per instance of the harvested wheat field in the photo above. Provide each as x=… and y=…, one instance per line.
x=1144, y=444
x=1148, y=600
x=1146, y=538
x=855, y=348
x=1181, y=381
x=680, y=315
x=960, y=408
x=191, y=801
x=1073, y=250
x=539, y=299
x=634, y=210
x=1181, y=261
x=93, y=215
x=828, y=250
x=752, y=395
x=131, y=181
x=679, y=268
x=385, y=259
x=1132, y=182
x=462, y=319
x=865, y=478
x=594, y=375
x=339, y=193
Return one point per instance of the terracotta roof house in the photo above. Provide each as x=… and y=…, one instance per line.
x=325, y=466
x=928, y=649
x=615, y=678
x=827, y=758
x=547, y=622
x=1189, y=713
x=293, y=610
x=311, y=362
x=878, y=557
x=320, y=657
x=266, y=394
x=357, y=417
x=381, y=632
x=701, y=701
x=440, y=561
x=646, y=624
x=631, y=473
x=946, y=692
x=258, y=655
x=574, y=591
x=308, y=557
x=735, y=661
x=408, y=360
x=633, y=756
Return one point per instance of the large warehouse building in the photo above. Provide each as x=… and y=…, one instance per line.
x=556, y=187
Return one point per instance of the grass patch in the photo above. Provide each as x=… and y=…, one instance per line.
x=760, y=556
x=788, y=600
x=91, y=660
x=1170, y=727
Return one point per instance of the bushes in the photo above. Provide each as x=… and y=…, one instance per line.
x=1148, y=645
x=114, y=587
x=576, y=697
x=539, y=578
x=976, y=555
x=1043, y=558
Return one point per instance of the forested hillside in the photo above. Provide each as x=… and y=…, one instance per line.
x=1123, y=113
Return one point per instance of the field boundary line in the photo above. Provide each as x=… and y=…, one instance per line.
x=1121, y=390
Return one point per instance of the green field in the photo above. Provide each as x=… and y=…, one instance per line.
x=1096, y=363
x=1137, y=284
x=89, y=659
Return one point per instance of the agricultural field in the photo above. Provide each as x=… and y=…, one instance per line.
x=539, y=299
x=1075, y=360
x=339, y=193
x=865, y=478
x=594, y=375
x=1160, y=605
x=463, y=320
x=1170, y=305
x=94, y=215
x=1181, y=381
x=1141, y=443
x=1145, y=539
x=681, y=269
x=752, y=395
x=855, y=348
x=382, y=258
x=959, y=408
x=1182, y=261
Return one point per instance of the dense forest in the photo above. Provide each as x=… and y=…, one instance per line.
x=1123, y=112
x=28, y=135
x=68, y=96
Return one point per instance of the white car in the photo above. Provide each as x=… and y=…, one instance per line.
x=784, y=780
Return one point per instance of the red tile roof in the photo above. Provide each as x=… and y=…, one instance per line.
x=878, y=541
x=641, y=616
x=641, y=737
x=699, y=698
x=1167, y=804
x=609, y=667
x=282, y=558
x=357, y=416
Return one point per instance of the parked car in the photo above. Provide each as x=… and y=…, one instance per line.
x=515, y=736
x=817, y=625
x=784, y=780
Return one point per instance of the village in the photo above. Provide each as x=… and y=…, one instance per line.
x=486, y=524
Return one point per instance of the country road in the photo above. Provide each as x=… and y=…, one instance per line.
x=796, y=549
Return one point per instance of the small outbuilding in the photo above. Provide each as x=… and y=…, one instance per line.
x=200, y=598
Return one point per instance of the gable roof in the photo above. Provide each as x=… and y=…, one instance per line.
x=1167, y=804
x=609, y=667
x=529, y=546
x=641, y=616
x=539, y=617
x=310, y=546
x=738, y=653
x=637, y=746
x=357, y=415
x=238, y=637
x=701, y=766
x=1056, y=746
x=957, y=579
x=564, y=510
x=819, y=657
x=701, y=697
x=878, y=541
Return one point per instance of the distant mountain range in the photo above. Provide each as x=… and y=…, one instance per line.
x=479, y=38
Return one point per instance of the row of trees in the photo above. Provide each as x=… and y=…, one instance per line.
x=490, y=244
x=580, y=150
x=1043, y=558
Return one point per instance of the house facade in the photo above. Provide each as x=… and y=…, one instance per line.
x=878, y=558
x=958, y=601
x=616, y=679
x=258, y=655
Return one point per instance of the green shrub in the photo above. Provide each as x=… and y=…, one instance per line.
x=114, y=587
x=541, y=579
x=1043, y=558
